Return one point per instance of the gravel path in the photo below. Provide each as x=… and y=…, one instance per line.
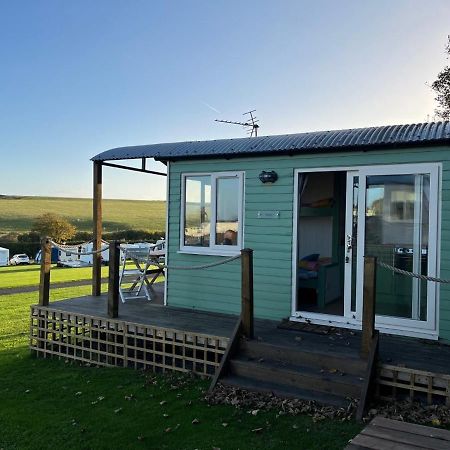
x=35, y=288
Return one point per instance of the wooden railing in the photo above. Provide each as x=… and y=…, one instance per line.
x=247, y=292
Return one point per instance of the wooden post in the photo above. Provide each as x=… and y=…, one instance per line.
x=369, y=295
x=97, y=219
x=247, y=292
x=113, y=280
x=46, y=261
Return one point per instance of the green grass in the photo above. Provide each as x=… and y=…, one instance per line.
x=18, y=213
x=47, y=403
x=18, y=276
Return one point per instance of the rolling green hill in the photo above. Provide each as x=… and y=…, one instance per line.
x=18, y=213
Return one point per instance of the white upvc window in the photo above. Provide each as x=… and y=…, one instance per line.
x=212, y=213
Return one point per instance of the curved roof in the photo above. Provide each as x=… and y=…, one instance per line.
x=431, y=133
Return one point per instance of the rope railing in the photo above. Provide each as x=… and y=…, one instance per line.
x=70, y=251
x=203, y=266
x=411, y=274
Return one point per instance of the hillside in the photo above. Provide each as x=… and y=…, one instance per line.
x=18, y=213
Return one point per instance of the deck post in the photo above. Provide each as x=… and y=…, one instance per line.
x=369, y=293
x=247, y=292
x=97, y=241
x=113, y=280
x=46, y=261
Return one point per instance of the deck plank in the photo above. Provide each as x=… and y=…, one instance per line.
x=422, y=430
x=387, y=434
x=145, y=312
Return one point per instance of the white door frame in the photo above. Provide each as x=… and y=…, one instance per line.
x=407, y=327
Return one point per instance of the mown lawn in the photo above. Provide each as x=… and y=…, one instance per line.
x=17, y=276
x=50, y=403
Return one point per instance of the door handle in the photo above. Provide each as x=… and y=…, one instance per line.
x=349, y=243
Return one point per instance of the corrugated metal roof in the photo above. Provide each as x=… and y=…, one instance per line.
x=392, y=136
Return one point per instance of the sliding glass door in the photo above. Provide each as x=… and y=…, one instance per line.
x=343, y=214
x=397, y=223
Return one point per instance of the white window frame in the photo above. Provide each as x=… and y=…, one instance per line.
x=213, y=249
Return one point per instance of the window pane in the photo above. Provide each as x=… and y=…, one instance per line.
x=227, y=210
x=197, y=215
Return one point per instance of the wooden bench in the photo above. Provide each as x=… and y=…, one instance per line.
x=387, y=434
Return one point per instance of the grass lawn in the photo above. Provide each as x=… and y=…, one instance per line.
x=49, y=403
x=17, y=276
x=18, y=213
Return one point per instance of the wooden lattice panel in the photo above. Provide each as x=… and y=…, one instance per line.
x=401, y=380
x=111, y=342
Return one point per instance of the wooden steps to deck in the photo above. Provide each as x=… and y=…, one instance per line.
x=300, y=372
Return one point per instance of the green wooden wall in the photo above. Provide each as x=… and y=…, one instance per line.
x=218, y=288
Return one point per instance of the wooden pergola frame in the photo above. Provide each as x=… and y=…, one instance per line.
x=98, y=216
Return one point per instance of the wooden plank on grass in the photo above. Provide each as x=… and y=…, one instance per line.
x=421, y=430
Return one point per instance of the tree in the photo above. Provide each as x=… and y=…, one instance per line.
x=31, y=236
x=441, y=87
x=55, y=226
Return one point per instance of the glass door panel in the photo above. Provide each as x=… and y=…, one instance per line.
x=397, y=233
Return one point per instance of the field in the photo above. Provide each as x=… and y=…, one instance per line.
x=18, y=213
x=49, y=402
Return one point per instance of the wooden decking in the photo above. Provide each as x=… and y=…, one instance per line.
x=386, y=434
x=144, y=312
x=79, y=328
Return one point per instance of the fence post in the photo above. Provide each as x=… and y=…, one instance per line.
x=369, y=294
x=113, y=279
x=247, y=292
x=46, y=262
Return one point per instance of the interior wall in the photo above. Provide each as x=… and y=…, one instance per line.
x=315, y=235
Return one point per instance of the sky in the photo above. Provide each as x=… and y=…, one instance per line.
x=81, y=77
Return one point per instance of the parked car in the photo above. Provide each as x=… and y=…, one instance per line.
x=18, y=259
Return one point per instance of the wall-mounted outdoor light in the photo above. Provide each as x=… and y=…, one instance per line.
x=268, y=177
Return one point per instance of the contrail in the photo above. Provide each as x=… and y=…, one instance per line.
x=210, y=107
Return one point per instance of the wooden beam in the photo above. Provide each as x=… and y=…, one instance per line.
x=233, y=345
x=367, y=389
x=134, y=169
x=113, y=280
x=46, y=264
x=247, y=292
x=98, y=225
x=369, y=295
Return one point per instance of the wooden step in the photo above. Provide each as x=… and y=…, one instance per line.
x=304, y=356
x=302, y=377
x=284, y=391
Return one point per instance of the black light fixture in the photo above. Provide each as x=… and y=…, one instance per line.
x=268, y=177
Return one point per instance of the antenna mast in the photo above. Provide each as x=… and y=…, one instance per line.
x=251, y=124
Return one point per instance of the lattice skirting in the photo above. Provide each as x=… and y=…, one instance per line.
x=394, y=381
x=112, y=342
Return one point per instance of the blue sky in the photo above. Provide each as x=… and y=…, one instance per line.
x=81, y=77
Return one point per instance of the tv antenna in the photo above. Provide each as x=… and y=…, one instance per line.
x=251, y=124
